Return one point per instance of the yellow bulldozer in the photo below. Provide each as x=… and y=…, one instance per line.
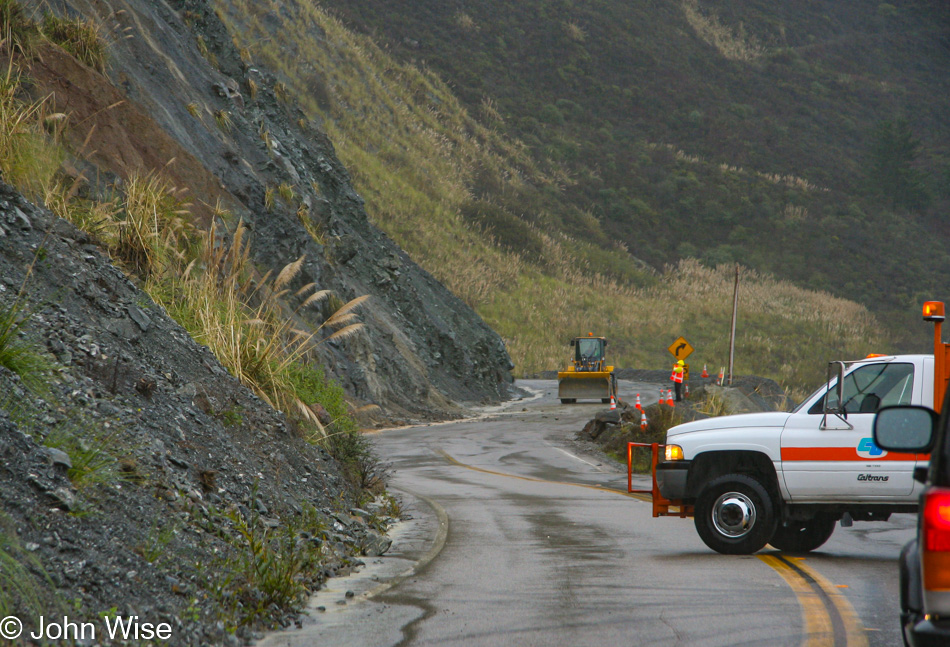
x=588, y=377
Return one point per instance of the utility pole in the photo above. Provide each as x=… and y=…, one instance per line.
x=732, y=334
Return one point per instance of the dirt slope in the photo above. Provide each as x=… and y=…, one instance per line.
x=422, y=348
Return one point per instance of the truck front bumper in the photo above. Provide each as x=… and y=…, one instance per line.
x=671, y=479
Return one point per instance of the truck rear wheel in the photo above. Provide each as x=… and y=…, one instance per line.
x=734, y=515
x=803, y=536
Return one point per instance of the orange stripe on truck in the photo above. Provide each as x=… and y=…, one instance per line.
x=841, y=454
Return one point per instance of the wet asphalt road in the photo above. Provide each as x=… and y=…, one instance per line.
x=517, y=551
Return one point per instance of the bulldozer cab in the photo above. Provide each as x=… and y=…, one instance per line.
x=589, y=353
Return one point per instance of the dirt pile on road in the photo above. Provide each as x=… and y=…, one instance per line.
x=612, y=430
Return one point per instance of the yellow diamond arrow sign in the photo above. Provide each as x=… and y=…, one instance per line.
x=680, y=349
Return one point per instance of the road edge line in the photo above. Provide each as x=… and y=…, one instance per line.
x=438, y=544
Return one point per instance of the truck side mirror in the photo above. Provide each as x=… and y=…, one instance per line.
x=573, y=341
x=905, y=428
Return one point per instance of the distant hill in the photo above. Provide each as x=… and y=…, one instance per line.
x=534, y=163
x=810, y=140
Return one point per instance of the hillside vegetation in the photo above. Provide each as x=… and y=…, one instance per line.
x=163, y=393
x=811, y=142
x=512, y=229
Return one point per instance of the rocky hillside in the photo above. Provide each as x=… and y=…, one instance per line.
x=137, y=477
x=180, y=253
x=175, y=96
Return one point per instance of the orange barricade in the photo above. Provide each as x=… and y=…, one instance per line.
x=662, y=507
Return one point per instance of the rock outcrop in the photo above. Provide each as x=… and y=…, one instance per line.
x=163, y=105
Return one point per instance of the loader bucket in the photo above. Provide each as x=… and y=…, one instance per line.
x=583, y=386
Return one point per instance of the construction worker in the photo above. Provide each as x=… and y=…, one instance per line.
x=677, y=378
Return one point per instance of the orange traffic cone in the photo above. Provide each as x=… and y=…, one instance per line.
x=721, y=376
x=613, y=403
x=643, y=420
x=638, y=405
x=705, y=373
x=669, y=398
x=686, y=390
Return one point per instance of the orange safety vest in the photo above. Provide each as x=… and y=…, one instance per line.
x=677, y=375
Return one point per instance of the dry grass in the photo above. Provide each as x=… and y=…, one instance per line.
x=285, y=191
x=244, y=322
x=270, y=198
x=465, y=21
x=78, y=36
x=575, y=32
x=787, y=180
x=416, y=156
x=96, y=217
x=29, y=156
x=154, y=227
x=733, y=44
x=783, y=331
x=224, y=121
x=204, y=279
x=205, y=52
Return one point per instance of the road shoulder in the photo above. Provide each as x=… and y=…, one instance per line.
x=334, y=613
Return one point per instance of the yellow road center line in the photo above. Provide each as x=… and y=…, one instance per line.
x=857, y=637
x=818, y=626
x=818, y=629
x=599, y=488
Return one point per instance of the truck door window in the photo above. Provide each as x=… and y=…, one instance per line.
x=868, y=388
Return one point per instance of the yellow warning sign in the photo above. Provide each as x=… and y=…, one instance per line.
x=680, y=349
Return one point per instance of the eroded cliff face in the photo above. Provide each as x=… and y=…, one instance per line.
x=161, y=105
x=127, y=484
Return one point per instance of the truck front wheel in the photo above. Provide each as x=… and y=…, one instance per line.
x=734, y=515
x=803, y=536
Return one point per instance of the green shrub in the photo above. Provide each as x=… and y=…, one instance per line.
x=18, y=584
x=18, y=353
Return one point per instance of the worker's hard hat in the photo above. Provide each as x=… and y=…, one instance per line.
x=680, y=362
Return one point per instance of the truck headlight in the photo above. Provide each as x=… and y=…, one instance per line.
x=674, y=453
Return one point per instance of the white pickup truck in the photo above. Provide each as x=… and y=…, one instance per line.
x=786, y=478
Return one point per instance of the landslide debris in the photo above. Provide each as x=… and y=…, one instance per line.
x=177, y=97
x=610, y=430
x=137, y=476
x=145, y=480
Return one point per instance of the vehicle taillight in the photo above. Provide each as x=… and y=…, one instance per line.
x=935, y=522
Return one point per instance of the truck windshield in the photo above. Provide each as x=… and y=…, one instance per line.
x=868, y=388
